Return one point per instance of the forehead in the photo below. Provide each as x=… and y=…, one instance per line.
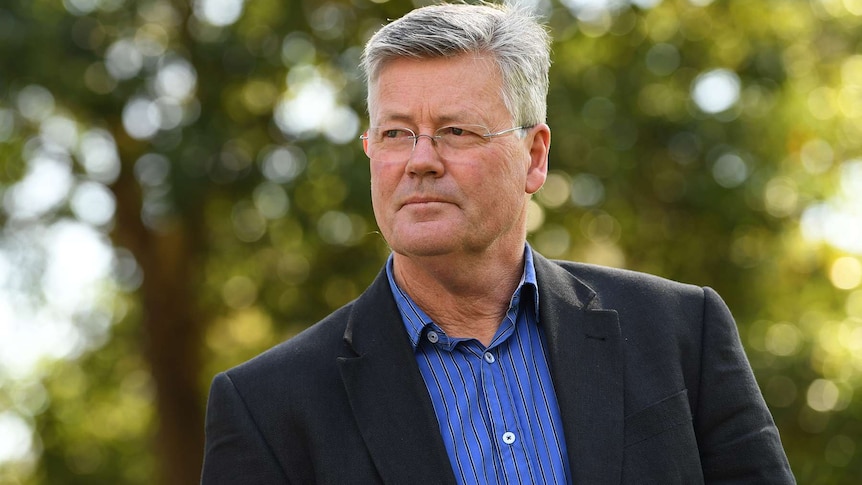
x=445, y=87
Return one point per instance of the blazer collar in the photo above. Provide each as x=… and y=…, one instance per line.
x=394, y=412
x=586, y=358
x=387, y=393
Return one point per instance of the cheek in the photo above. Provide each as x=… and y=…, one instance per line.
x=384, y=180
x=511, y=173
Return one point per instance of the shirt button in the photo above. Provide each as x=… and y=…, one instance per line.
x=508, y=437
x=433, y=337
x=489, y=357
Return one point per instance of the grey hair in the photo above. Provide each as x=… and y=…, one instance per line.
x=512, y=35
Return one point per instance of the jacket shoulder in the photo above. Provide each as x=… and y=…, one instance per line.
x=607, y=281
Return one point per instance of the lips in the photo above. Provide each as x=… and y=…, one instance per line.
x=415, y=200
x=423, y=200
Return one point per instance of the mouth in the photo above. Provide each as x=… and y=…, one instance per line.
x=423, y=201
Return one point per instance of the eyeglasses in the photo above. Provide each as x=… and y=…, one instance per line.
x=397, y=144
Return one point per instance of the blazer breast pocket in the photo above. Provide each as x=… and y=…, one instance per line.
x=668, y=413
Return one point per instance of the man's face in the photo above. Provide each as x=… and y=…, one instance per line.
x=437, y=201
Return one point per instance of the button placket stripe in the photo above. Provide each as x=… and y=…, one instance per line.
x=528, y=426
x=443, y=395
x=473, y=468
x=508, y=453
x=515, y=426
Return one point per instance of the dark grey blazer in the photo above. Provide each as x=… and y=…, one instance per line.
x=652, y=382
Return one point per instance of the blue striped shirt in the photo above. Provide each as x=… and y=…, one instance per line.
x=495, y=405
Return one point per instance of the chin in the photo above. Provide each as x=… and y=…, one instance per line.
x=436, y=244
x=423, y=249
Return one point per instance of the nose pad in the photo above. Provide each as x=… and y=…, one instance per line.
x=425, y=161
x=431, y=138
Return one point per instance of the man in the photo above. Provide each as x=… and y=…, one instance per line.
x=471, y=358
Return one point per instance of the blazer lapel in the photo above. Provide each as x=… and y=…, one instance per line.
x=387, y=393
x=586, y=357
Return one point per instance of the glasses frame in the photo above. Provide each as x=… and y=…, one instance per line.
x=415, y=137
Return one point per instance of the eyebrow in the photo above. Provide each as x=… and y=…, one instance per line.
x=441, y=120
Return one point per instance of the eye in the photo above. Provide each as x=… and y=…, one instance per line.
x=395, y=133
x=458, y=131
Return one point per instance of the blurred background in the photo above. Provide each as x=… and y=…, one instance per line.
x=182, y=186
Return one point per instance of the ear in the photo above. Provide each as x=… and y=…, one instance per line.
x=539, y=143
x=365, y=143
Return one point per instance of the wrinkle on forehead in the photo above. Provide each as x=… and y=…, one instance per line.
x=478, y=106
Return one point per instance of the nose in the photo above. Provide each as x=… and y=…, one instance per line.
x=420, y=135
x=425, y=160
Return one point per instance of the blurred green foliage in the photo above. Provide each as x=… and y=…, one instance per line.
x=712, y=142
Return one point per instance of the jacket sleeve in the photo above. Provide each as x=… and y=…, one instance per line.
x=737, y=437
x=235, y=451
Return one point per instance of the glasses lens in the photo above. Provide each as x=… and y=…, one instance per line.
x=397, y=144
x=458, y=138
x=391, y=143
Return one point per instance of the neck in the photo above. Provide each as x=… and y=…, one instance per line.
x=466, y=296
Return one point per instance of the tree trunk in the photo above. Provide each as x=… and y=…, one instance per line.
x=172, y=326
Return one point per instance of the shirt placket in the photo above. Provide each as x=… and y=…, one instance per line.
x=505, y=432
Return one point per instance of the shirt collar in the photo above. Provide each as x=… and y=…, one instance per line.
x=415, y=320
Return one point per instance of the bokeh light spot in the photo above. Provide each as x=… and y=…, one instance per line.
x=293, y=268
x=16, y=438
x=716, y=91
x=781, y=197
x=730, y=170
x=123, y=59
x=142, y=118
x=98, y=79
x=841, y=448
x=853, y=6
x=821, y=103
x=823, y=395
x=282, y=164
x=176, y=78
x=846, y=273
x=662, y=59
x=98, y=154
x=297, y=49
x=783, y=339
x=259, y=96
x=553, y=240
x=310, y=106
x=220, y=13
x=239, y=292
x=152, y=169
x=61, y=131
x=535, y=216
x=334, y=227
x=556, y=190
x=817, y=156
x=271, y=200
x=248, y=223
x=44, y=187
x=35, y=103
x=80, y=7
x=93, y=203
x=601, y=227
x=587, y=190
